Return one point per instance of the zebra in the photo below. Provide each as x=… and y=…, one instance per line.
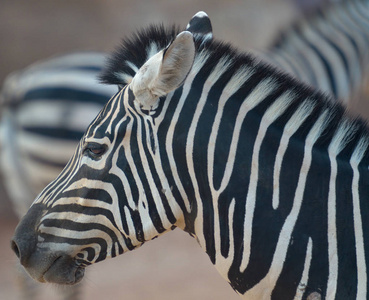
x=291, y=53
x=45, y=110
x=326, y=49
x=267, y=174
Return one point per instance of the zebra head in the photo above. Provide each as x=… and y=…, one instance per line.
x=114, y=194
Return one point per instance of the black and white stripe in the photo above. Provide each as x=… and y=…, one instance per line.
x=267, y=174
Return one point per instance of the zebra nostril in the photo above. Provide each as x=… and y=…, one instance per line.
x=15, y=248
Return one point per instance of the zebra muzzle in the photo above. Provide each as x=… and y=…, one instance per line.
x=44, y=266
x=41, y=263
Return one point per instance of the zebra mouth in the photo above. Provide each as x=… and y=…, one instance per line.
x=63, y=270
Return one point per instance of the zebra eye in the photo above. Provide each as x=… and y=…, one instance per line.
x=94, y=150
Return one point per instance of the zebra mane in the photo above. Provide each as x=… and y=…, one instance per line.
x=135, y=51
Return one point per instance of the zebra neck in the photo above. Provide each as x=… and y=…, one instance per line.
x=252, y=136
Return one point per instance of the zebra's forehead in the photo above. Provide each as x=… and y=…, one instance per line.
x=102, y=125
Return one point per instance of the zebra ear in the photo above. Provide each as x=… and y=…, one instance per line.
x=164, y=72
x=200, y=26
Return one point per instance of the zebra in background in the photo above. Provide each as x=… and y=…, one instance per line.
x=310, y=5
x=45, y=110
x=327, y=49
x=268, y=175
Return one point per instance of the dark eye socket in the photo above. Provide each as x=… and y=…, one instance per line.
x=94, y=150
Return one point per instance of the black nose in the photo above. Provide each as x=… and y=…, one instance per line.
x=24, y=240
x=15, y=248
x=23, y=246
x=23, y=243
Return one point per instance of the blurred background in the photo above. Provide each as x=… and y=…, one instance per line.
x=172, y=267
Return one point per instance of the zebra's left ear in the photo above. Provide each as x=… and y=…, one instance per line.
x=164, y=72
x=200, y=26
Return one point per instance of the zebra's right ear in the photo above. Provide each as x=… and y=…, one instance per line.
x=200, y=27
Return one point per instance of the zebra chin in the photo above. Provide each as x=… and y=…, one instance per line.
x=43, y=264
x=61, y=270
